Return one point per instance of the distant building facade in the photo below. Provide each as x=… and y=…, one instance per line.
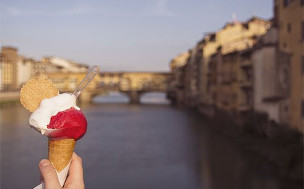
x=271, y=78
x=56, y=64
x=231, y=39
x=216, y=85
x=251, y=68
x=16, y=69
x=8, y=61
x=192, y=76
x=177, y=83
x=0, y=75
x=289, y=16
x=25, y=70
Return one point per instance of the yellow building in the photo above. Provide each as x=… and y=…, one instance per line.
x=290, y=18
x=232, y=37
x=193, y=77
x=8, y=61
x=228, y=86
x=176, y=85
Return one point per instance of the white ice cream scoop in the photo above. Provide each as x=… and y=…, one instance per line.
x=41, y=117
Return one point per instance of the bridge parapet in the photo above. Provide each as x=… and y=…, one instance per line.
x=144, y=81
x=125, y=82
x=67, y=82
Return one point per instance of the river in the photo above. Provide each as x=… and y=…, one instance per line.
x=148, y=146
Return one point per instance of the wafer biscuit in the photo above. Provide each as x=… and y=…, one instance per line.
x=35, y=90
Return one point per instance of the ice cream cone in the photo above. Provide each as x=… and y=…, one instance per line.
x=60, y=152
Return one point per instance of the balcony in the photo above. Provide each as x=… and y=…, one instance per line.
x=246, y=84
x=245, y=64
x=244, y=107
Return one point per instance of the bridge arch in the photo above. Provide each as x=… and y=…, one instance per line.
x=123, y=97
x=111, y=97
x=154, y=98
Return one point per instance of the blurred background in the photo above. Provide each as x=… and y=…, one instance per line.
x=192, y=94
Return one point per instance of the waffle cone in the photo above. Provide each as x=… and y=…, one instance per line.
x=60, y=152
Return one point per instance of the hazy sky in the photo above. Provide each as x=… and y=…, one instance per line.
x=118, y=35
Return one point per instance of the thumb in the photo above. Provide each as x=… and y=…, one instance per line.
x=49, y=174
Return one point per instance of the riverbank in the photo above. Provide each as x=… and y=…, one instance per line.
x=283, y=149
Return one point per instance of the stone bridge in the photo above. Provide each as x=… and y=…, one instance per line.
x=133, y=84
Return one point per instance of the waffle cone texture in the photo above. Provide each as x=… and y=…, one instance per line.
x=60, y=152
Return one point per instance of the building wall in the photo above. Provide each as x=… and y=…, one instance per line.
x=63, y=65
x=1, y=76
x=7, y=74
x=232, y=37
x=245, y=78
x=291, y=40
x=176, y=85
x=228, y=88
x=264, y=81
x=208, y=49
x=16, y=69
x=24, y=70
x=9, y=58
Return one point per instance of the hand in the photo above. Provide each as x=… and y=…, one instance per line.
x=74, y=179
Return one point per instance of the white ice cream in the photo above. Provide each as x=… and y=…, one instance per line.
x=49, y=107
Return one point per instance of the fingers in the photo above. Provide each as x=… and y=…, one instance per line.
x=75, y=178
x=76, y=171
x=49, y=175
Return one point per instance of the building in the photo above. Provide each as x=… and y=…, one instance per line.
x=0, y=74
x=227, y=88
x=210, y=45
x=255, y=66
x=8, y=61
x=176, y=85
x=16, y=69
x=214, y=80
x=207, y=87
x=246, y=81
x=56, y=64
x=192, y=73
x=42, y=67
x=271, y=78
x=25, y=70
x=290, y=19
x=231, y=39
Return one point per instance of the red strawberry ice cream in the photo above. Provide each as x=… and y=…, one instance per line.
x=71, y=122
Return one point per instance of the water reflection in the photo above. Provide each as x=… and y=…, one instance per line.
x=139, y=146
x=146, y=98
x=226, y=163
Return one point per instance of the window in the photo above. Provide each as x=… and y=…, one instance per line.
x=302, y=108
x=302, y=65
x=286, y=2
x=302, y=30
x=288, y=27
x=281, y=25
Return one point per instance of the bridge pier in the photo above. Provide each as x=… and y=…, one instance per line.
x=134, y=97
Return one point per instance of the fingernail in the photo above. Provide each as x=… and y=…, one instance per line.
x=44, y=163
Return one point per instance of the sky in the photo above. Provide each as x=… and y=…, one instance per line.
x=118, y=35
